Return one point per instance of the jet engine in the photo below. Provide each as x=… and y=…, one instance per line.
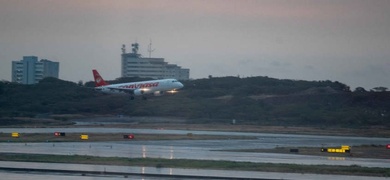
x=138, y=92
x=158, y=93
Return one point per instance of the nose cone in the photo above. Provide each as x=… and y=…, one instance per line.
x=180, y=85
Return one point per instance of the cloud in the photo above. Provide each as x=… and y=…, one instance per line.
x=280, y=64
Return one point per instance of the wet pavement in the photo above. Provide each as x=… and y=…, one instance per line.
x=83, y=172
x=171, y=150
x=199, y=149
x=273, y=140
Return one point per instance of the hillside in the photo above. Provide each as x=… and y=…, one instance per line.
x=252, y=100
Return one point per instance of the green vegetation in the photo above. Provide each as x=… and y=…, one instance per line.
x=251, y=101
x=199, y=164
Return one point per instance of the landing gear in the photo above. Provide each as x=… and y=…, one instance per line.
x=143, y=98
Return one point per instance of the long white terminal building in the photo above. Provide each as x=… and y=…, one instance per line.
x=133, y=65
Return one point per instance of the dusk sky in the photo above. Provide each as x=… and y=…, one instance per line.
x=338, y=40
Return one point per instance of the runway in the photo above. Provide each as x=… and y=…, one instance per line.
x=59, y=171
x=198, y=149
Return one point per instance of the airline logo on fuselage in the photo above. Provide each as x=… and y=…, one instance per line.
x=98, y=80
x=140, y=85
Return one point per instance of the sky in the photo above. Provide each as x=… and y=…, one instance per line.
x=338, y=40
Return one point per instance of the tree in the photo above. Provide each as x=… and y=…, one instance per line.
x=380, y=89
x=360, y=90
x=1, y=88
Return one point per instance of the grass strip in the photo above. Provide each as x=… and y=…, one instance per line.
x=362, y=151
x=105, y=137
x=199, y=164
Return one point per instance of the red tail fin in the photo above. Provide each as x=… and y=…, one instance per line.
x=99, y=81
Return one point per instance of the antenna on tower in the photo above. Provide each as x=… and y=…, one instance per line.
x=135, y=48
x=150, y=50
x=123, y=49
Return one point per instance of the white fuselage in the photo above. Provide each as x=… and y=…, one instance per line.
x=142, y=87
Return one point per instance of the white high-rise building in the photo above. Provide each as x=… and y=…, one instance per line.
x=133, y=65
x=30, y=71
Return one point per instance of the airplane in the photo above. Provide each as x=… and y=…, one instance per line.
x=141, y=88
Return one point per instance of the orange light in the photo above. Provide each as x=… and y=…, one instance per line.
x=172, y=91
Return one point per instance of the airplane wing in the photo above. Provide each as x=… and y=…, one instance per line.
x=137, y=91
x=127, y=90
